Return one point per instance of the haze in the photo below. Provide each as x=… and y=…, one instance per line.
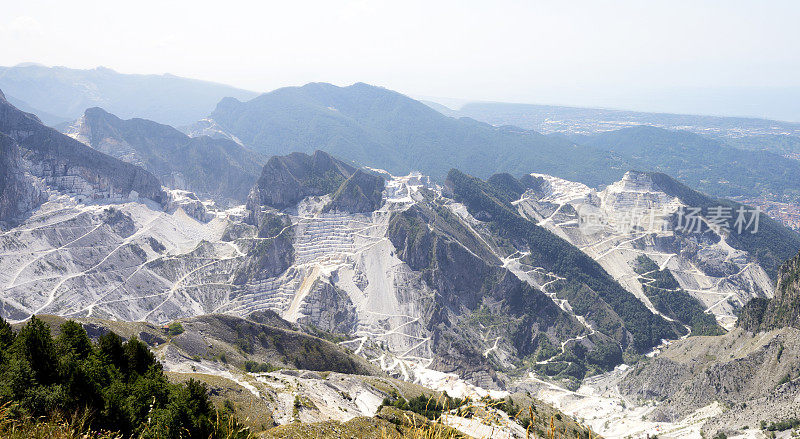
x=674, y=56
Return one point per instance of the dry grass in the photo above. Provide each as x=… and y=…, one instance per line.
x=488, y=412
x=57, y=427
x=77, y=427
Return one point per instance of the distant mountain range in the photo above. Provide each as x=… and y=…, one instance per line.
x=381, y=128
x=60, y=94
x=707, y=164
x=782, y=138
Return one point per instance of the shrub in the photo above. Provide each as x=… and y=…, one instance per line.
x=255, y=367
x=175, y=329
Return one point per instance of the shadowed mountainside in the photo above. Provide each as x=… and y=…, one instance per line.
x=219, y=168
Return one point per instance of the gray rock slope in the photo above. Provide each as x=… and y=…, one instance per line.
x=68, y=165
x=631, y=228
x=421, y=280
x=58, y=154
x=262, y=338
x=286, y=180
x=781, y=311
x=753, y=370
x=216, y=168
x=323, y=261
x=18, y=194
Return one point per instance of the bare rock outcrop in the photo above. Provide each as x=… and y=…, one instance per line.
x=781, y=311
x=72, y=167
x=18, y=192
x=285, y=180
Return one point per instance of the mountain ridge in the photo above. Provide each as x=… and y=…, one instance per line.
x=66, y=93
x=385, y=129
x=61, y=158
x=218, y=168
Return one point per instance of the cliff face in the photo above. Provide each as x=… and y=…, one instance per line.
x=286, y=180
x=18, y=193
x=72, y=167
x=781, y=311
x=475, y=290
x=571, y=275
x=706, y=266
x=465, y=280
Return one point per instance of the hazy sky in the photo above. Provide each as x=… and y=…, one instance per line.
x=651, y=55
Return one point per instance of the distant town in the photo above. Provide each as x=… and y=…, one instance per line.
x=786, y=213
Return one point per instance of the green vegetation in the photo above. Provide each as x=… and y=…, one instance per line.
x=326, y=335
x=272, y=224
x=752, y=314
x=706, y=164
x=256, y=367
x=387, y=130
x=210, y=167
x=325, y=183
x=109, y=385
x=507, y=186
x=361, y=192
x=576, y=361
x=271, y=255
x=781, y=311
x=462, y=271
x=777, y=143
x=786, y=424
x=175, y=329
x=285, y=348
x=667, y=297
x=537, y=420
x=428, y=406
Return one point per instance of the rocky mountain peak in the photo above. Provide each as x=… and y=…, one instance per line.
x=361, y=192
x=18, y=193
x=636, y=181
x=559, y=191
x=285, y=180
x=97, y=112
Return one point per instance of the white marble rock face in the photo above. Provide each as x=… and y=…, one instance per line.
x=630, y=218
x=135, y=260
